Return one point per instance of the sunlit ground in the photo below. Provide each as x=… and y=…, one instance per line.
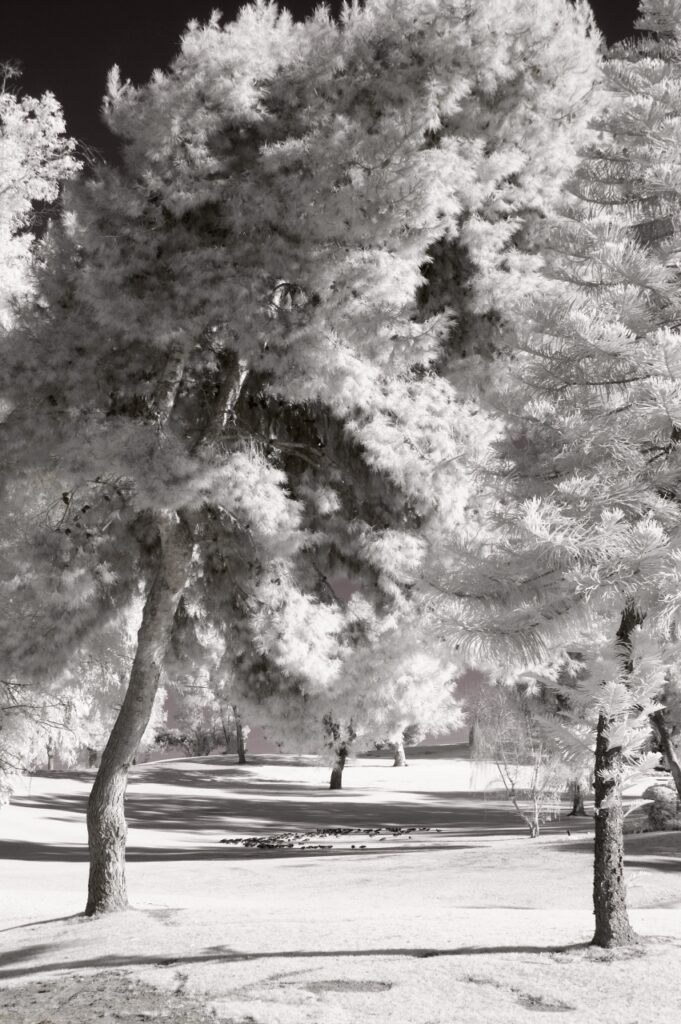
x=463, y=919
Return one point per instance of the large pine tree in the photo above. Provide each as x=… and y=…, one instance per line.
x=241, y=302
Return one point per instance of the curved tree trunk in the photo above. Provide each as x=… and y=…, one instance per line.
x=668, y=748
x=337, y=770
x=578, y=808
x=240, y=741
x=106, y=823
x=400, y=756
x=609, y=892
x=106, y=807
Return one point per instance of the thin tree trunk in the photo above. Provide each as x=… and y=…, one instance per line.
x=170, y=380
x=578, y=808
x=240, y=741
x=609, y=891
x=400, y=756
x=472, y=738
x=106, y=823
x=668, y=748
x=50, y=755
x=337, y=770
x=224, y=730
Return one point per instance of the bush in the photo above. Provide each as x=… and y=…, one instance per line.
x=664, y=810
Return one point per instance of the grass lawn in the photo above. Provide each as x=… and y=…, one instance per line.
x=463, y=920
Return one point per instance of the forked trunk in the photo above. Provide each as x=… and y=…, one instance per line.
x=240, y=741
x=337, y=770
x=400, y=756
x=668, y=748
x=578, y=808
x=609, y=891
x=106, y=823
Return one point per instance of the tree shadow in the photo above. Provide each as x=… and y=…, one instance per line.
x=655, y=851
x=653, y=863
x=46, y=920
x=218, y=954
x=261, y=807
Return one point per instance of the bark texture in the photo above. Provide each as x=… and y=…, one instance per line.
x=233, y=378
x=668, y=749
x=400, y=756
x=106, y=823
x=337, y=770
x=609, y=891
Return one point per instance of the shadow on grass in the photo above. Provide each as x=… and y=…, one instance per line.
x=224, y=955
x=50, y=852
x=646, y=851
x=253, y=806
x=46, y=920
x=654, y=862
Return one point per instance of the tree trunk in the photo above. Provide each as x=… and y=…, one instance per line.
x=609, y=891
x=578, y=808
x=337, y=771
x=225, y=733
x=50, y=755
x=668, y=748
x=233, y=377
x=400, y=756
x=106, y=807
x=472, y=738
x=240, y=741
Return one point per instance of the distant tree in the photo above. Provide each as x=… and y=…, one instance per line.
x=72, y=712
x=37, y=157
x=202, y=721
x=385, y=682
x=242, y=730
x=531, y=771
x=667, y=725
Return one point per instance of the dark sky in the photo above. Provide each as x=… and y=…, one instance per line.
x=67, y=46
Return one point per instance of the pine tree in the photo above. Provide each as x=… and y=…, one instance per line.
x=585, y=552
x=238, y=304
x=386, y=682
x=36, y=157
